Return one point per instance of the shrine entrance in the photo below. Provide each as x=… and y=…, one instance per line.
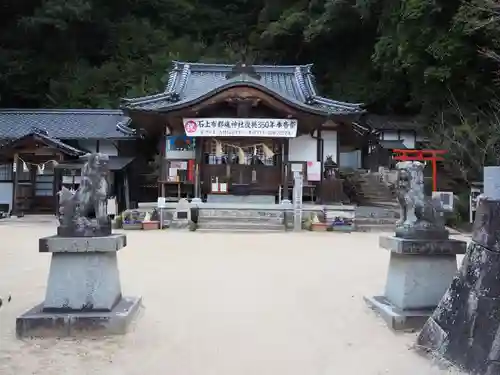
x=235, y=130
x=249, y=166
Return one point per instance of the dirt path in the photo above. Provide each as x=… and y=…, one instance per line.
x=221, y=304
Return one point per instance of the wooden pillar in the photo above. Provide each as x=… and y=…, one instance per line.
x=56, y=188
x=16, y=183
x=320, y=156
x=285, y=147
x=197, y=163
x=338, y=149
x=126, y=189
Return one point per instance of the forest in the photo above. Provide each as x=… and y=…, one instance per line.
x=433, y=58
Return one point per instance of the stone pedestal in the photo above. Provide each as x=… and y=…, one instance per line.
x=182, y=215
x=465, y=327
x=419, y=273
x=83, y=293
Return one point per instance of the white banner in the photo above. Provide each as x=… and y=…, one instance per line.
x=240, y=127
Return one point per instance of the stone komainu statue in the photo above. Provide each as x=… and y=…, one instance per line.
x=84, y=213
x=421, y=217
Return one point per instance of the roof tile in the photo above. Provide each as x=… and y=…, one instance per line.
x=190, y=81
x=63, y=123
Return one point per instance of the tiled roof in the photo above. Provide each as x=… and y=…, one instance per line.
x=189, y=82
x=378, y=122
x=43, y=136
x=391, y=144
x=63, y=123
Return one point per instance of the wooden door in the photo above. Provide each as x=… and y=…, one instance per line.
x=44, y=199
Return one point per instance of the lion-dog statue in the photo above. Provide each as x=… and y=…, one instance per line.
x=421, y=217
x=83, y=213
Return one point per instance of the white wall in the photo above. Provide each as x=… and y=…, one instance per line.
x=6, y=190
x=105, y=147
x=305, y=147
x=329, y=144
x=407, y=137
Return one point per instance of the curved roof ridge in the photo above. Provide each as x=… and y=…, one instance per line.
x=147, y=98
x=301, y=85
x=210, y=67
x=323, y=100
x=181, y=85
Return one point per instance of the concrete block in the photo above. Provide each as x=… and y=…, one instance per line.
x=420, y=272
x=396, y=318
x=38, y=323
x=56, y=244
x=83, y=281
x=422, y=247
x=418, y=282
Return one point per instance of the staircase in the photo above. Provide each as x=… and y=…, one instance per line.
x=376, y=219
x=372, y=191
x=240, y=220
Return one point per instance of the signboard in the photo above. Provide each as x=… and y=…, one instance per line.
x=240, y=127
x=446, y=199
x=313, y=171
x=161, y=202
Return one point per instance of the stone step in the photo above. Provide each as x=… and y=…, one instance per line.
x=376, y=221
x=240, y=226
x=240, y=214
x=374, y=211
x=376, y=197
x=375, y=228
x=212, y=230
x=240, y=219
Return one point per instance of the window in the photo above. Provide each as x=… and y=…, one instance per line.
x=44, y=183
x=6, y=172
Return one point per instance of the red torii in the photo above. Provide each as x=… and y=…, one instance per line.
x=421, y=155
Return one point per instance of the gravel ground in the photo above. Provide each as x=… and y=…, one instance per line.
x=220, y=304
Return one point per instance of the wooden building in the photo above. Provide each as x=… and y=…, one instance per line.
x=220, y=131
x=217, y=132
x=40, y=150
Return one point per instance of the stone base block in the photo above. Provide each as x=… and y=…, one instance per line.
x=422, y=247
x=83, y=281
x=396, y=318
x=419, y=282
x=179, y=224
x=37, y=323
x=57, y=244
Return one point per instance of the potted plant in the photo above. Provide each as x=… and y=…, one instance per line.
x=118, y=222
x=151, y=220
x=317, y=225
x=131, y=220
